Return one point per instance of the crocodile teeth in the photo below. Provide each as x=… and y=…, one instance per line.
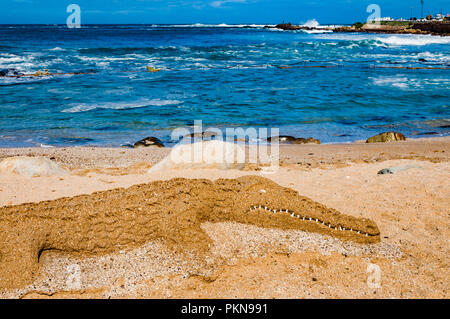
x=367, y=234
x=310, y=218
x=359, y=232
x=274, y=211
x=292, y=215
x=303, y=218
x=298, y=216
x=335, y=228
x=317, y=220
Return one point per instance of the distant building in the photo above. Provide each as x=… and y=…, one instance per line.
x=384, y=19
x=430, y=17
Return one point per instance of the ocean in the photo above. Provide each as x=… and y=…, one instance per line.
x=226, y=76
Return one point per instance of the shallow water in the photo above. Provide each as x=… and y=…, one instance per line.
x=226, y=77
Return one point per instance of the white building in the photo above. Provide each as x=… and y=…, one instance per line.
x=384, y=19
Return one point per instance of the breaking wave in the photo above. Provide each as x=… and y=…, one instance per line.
x=418, y=40
x=313, y=23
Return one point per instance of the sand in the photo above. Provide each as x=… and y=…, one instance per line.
x=410, y=208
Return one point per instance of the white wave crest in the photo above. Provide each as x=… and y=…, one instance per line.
x=313, y=23
x=120, y=105
x=399, y=82
x=317, y=31
x=418, y=40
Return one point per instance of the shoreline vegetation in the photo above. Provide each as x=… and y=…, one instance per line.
x=441, y=28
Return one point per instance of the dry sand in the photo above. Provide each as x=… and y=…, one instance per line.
x=410, y=207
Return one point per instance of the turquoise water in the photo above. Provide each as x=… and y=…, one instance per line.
x=224, y=76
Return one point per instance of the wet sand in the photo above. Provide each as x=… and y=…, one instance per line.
x=410, y=208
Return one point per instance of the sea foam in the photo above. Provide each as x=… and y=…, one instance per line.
x=418, y=40
x=120, y=105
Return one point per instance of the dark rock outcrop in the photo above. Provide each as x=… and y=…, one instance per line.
x=385, y=171
x=148, y=142
x=10, y=72
x=292, y=140
x=308, y=140
x=433, y=27
x=281, y=139
x=207, y=135
x=287, y=26
x=386, y=137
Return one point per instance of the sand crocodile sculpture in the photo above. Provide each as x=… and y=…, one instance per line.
x=113, y=220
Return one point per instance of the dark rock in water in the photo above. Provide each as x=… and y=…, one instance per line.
x=424, y=133
x=281, y=139
x=386, y=137
x=444, y=126
x=10, y=72
x=343, y=135
x=385, y=171
x=308, y=140
x=287, y=26
x=430, y=133
x=149, y=141
x=286, y=139
x=204, y=135
x=423, y=60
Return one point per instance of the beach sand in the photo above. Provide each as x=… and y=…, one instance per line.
x=410, y=207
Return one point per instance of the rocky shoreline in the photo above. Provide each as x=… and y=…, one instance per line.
x=433, y=28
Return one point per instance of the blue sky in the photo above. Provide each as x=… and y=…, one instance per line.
x=210, y=11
